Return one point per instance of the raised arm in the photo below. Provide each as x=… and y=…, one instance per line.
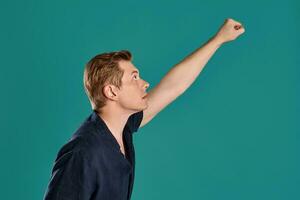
x=183, y=74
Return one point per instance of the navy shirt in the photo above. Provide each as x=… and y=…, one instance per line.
x=92, y=166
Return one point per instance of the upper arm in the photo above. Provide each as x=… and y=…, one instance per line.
x=158, y=98
x=71, y=178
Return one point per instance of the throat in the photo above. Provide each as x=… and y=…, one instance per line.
x=122, y=149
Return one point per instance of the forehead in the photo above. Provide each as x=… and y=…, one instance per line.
x=128, y=67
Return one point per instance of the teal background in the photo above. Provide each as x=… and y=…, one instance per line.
x=234, y=134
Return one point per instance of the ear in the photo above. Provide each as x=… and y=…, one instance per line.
x=110, y=92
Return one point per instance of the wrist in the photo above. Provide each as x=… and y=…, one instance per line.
x=217, y=40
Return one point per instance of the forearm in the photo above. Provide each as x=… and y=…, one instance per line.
x=183, y=74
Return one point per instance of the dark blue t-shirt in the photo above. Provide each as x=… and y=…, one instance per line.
x=92, y=166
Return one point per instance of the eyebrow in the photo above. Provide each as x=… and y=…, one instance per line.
x=135, y=71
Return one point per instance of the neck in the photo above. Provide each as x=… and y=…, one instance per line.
x=115, y=119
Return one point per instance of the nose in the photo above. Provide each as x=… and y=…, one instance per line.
x=146, y=85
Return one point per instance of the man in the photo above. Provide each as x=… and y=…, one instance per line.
x=98, y=163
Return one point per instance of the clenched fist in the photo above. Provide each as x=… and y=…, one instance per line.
x=229, y=31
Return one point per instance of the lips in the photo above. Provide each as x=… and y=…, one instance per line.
x=145, y=96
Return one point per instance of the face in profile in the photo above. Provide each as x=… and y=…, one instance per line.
x=133, y=89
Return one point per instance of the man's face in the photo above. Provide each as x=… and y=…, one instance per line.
x=133, y=88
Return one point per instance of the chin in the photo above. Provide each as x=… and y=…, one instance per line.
x=139, y=106
x=145, y=107
x=142, y=107
x=146, y=103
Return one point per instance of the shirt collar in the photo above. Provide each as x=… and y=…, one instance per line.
x=99, y=122
x=102, y=128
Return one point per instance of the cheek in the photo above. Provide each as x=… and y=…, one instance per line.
x=130, y=96
x=131, y=91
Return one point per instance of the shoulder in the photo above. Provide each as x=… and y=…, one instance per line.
x=85, y=140
x=78, y=145
x=134, y=121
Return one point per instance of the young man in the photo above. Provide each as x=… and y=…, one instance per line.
x=98, y=163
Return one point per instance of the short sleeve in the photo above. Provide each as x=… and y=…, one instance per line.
x=134, y=121
x=72, y=178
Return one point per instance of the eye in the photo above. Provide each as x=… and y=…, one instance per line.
x=135, y=76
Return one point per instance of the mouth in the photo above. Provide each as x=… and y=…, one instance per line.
x=145, y=96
